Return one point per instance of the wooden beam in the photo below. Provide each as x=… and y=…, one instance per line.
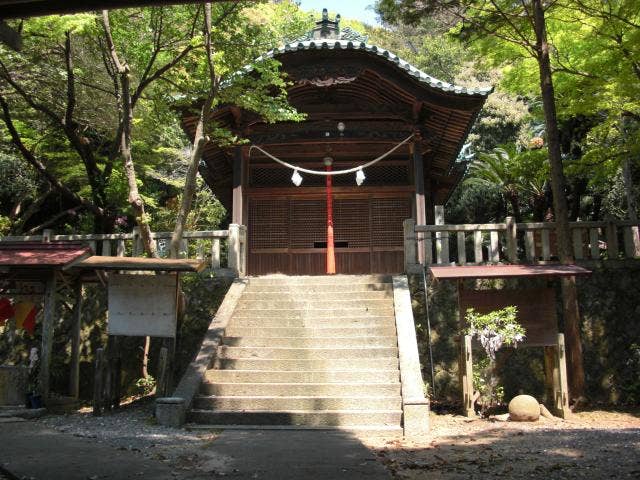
x=35, y=8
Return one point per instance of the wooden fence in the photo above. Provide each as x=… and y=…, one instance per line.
x=511, y=242
x=221, y=249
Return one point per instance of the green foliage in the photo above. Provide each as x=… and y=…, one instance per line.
x=146, y=386
x=495, y=329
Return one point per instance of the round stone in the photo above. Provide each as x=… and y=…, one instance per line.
x=524, y=408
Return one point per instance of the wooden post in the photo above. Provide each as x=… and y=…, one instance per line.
x=546, y=244
x=466, y=376
x=120, y=248
x=462, y=249
x=243, y=250
x=550, y=376
x=237, y=195
x=477, y=246
x=495, y=246
x=594, y=242
x=410, y=256
x=234, y=248
x=530, y=246
x=137, y=242
x=215, y=253
x=98, y=383
x=47, y=334
x=76, y=327
x=161, y=385
x=612, y=241
x=418, y=178
x=578, y=247
x=106, y=248
x=116, y=371
x=442, y=238
x=562, y=393
x=512, y=240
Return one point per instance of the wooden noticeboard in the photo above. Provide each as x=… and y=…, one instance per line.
x=143, y=305
x=536, y=310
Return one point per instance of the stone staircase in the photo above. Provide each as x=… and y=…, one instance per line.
x=307, y=352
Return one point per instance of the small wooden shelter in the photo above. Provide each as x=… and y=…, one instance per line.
x=40, y=269
x=536, y=313
x=361, y=101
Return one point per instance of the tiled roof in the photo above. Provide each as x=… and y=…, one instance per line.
x=331, y=44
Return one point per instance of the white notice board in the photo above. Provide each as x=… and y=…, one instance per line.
x=142, y=305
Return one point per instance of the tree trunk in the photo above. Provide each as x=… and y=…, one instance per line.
x=569, y=292
x=199, y=141
x=126, y=112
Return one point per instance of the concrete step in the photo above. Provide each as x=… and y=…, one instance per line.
x=320, y=289
x=326, y=303
x=259, y=403
x=388, y=432
x=283, y=353
x=281, y=280
x=303, y=332
x=288, y=364
x=302, y=389
x=312, y=313
x=298, y=417
x=313, y=342
x=302, y=294
x=248, y=321
x=334, y=373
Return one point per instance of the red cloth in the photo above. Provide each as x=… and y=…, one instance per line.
x=6, y=310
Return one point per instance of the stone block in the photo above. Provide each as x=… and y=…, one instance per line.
x=171, y=411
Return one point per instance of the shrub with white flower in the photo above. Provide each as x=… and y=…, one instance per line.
x=494, y=330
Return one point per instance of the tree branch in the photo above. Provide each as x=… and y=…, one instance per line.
x=39, y=166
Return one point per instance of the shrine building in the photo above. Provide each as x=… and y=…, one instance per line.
x=361, y=102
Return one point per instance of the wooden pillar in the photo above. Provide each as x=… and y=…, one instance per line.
x=418, y=179
x=76, y=327
x=561, y=403
x=466, y=376
x=98, y=383
x=47, y=334
x=237, y=216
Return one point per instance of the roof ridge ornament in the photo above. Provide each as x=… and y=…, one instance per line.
x=327, y=29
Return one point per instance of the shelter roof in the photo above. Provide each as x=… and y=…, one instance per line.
x=148, y=264
x=506, y=271
x=37, y=254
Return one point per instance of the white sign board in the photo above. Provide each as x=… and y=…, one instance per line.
x=142, y=305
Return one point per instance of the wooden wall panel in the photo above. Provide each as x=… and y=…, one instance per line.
x=287, y=234
x=265, y=263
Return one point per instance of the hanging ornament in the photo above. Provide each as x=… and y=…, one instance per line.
x=360, y=177
x=296, y=178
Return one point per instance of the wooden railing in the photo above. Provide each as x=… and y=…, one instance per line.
x=221, y=249
x=512, y=242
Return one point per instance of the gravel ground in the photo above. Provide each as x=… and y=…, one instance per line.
x=593, y=445
x=133, y=428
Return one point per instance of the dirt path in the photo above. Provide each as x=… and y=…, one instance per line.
x=593, y=445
